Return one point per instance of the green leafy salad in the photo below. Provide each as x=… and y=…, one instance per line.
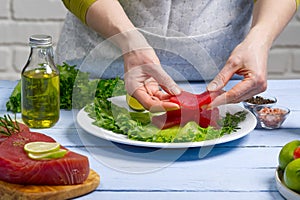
x=78, y=91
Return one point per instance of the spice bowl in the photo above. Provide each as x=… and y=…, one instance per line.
x=259, y=100
x=271, y=117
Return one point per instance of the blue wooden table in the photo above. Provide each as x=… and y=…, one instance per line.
x=240, y=169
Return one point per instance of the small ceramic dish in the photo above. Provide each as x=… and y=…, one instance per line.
x=271, y=117
x=259, y=100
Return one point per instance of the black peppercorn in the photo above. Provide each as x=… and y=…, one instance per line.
x=259, y=100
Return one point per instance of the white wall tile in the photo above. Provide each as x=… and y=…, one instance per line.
x=19, y=32
x=5, y=59
x=4, y=9
x=37, y=9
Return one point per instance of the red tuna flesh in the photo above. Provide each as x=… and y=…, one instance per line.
x=204, y=117
x=16, y=167
x=20, y=128
x=192, y=108
x=194, y=101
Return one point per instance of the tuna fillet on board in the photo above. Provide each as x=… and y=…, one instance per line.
x=16, y=167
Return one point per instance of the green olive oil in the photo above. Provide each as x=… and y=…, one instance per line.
x=40, y=95
x=40, y=101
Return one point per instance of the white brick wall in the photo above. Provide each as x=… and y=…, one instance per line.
x=21, y=18
x=284, y=60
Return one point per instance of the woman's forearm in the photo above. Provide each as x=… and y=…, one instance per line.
x=108, y=18
x=269, y=19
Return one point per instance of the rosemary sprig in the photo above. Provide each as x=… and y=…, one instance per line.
x=8, y=126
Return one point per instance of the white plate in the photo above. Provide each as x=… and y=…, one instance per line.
x=285, y=191
x=85, y=122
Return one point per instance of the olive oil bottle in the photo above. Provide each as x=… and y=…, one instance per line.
x=40, y=85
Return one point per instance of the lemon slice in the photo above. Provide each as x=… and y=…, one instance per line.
x=41, y=147
x=133, y=103
x=50, y=155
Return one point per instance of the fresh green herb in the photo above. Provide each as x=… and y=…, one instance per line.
x=14, y=102
x=76, y=89
x=230, y=123
x=192, y=132
x=8, y=126
x=115, y=118
x=67, y=78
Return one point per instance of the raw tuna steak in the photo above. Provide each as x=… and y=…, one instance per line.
x=192, y=108
x=16, y=167
x=194, y=101
x=204, y=117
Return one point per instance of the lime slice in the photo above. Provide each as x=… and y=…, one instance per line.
x=133, y=103
x=41, y=147
x=50, y=155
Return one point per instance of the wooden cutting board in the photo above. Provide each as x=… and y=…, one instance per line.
x=32, y=192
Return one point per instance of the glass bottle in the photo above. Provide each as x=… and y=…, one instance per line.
x=40, y=85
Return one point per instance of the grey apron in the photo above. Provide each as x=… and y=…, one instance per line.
x=192, y=39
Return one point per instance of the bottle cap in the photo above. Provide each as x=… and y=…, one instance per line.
x=40, y=40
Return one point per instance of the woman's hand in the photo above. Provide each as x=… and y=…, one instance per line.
x=143, y=78
x=248, y=59
x=143, y=72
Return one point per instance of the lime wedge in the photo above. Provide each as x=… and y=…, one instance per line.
x=41, y=147
x=133, y=103
x=50, y=155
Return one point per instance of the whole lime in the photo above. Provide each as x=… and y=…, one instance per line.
x=291, y=175
x=286, y=154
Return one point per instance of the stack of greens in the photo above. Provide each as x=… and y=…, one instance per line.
x=78, y=91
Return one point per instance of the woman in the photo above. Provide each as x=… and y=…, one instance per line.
x=191, y=40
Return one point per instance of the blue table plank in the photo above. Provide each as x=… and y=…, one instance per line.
x=104, y=195
x=237, y=170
